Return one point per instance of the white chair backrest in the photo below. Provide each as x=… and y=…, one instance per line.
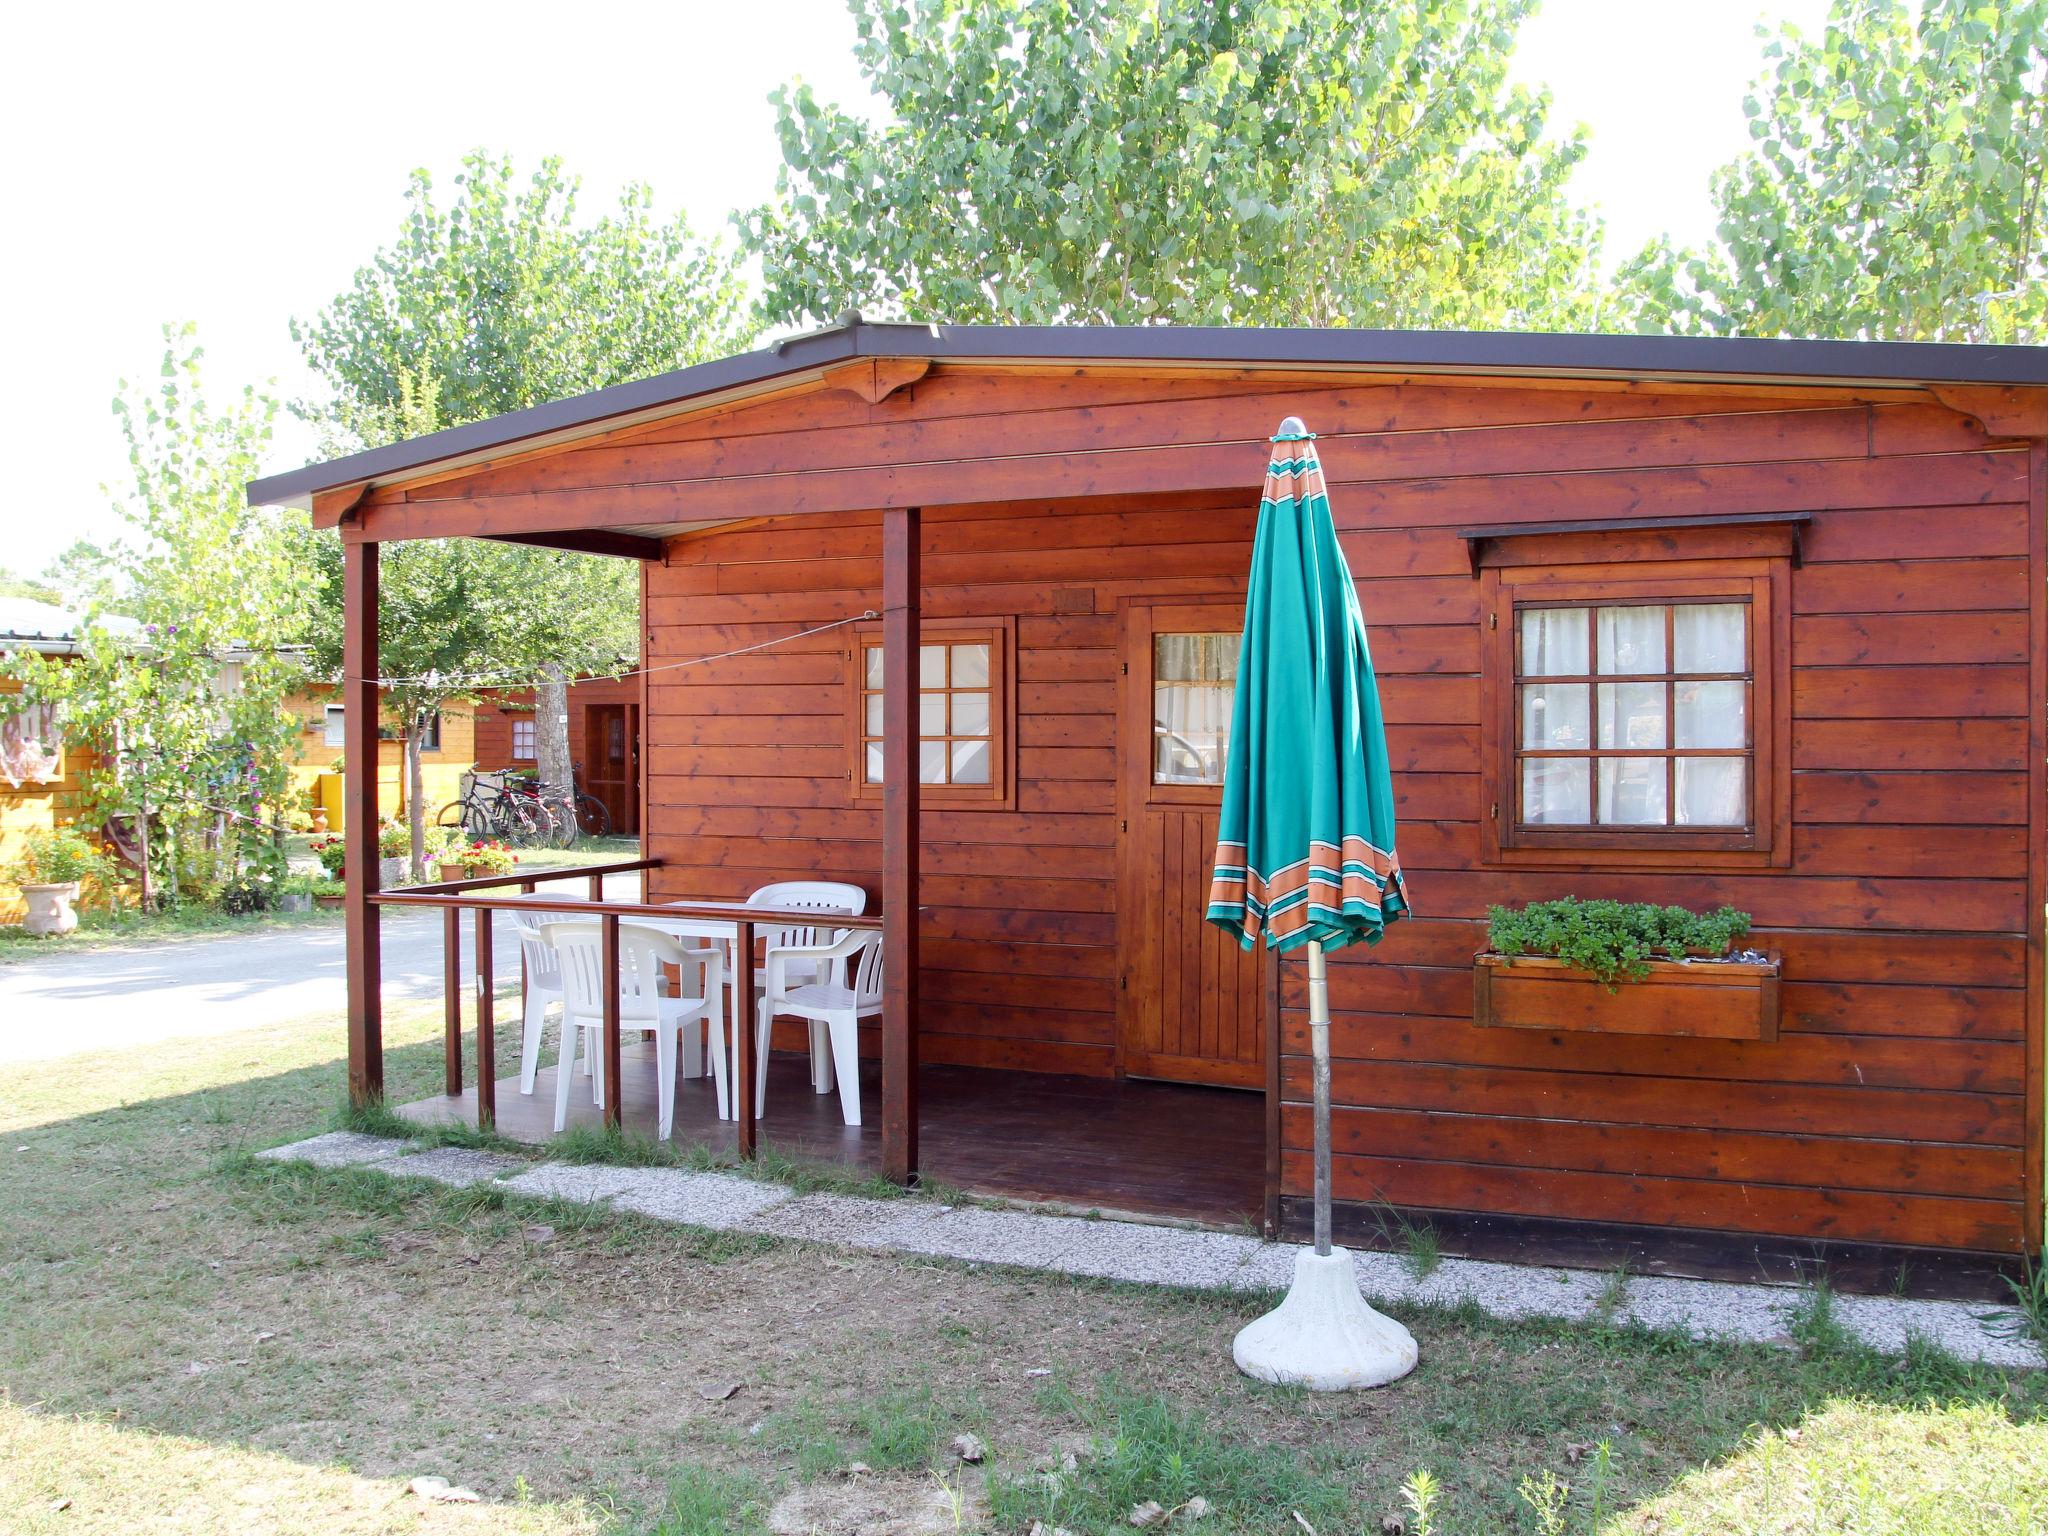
x=543, y=964
x=867, y=976
x=808, y=896
x=642, y=954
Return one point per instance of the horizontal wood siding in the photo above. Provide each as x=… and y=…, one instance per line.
x=1895, y=1106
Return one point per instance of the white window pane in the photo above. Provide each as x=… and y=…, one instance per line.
x=1710, y=637
x=970, y=762
x=931, y=762
x=1556, y=791
x=1554, y=715
x=873, y=653
x=1632, y=791
x=931, y=714
x=1711, y=714
x=1554, y=642
x=874, y=762
x=931, y=666
x=1713, y=792
x=874, y=714
x=1630, y=639
x=337, y=731
x=1631, y=715
x=970, y=666
x=970, y=714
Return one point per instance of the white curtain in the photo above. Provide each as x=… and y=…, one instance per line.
x=30, y=752
x=1554, y=642
x=1194, y=688
x=1708, y=637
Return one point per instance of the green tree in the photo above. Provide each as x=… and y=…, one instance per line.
x=499, y=300
x=12, y=585
x=1895, y=190
x=183, y=705
x=1258, y=162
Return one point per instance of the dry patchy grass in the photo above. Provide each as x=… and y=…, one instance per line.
x=195, y=1338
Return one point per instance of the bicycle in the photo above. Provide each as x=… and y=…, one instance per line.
x=490, y=808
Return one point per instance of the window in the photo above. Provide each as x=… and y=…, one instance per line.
x=963, y=706
x=522, y=739
x=430, y=737
x=1636, y=706
x=336, y=727
x=1633, y=715
x=1194, y=686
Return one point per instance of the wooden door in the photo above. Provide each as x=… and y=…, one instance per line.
x=611, y=766
x=1191, y=1008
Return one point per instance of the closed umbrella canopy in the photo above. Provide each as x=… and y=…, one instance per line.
x=1305, y=846
x=1305, y=860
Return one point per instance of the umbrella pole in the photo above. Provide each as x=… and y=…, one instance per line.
x=1319, y=1045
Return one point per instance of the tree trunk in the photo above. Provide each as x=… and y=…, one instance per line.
x=415, y=792
x=551, y=737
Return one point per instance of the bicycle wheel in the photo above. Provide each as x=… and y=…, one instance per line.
x=454, y=814
x=478, y=824
x=561, y=820
x=593, y=816
x=513, y=822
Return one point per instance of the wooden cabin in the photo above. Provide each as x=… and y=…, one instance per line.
x=1059, y=520
x=446, y=754
x=604, y=740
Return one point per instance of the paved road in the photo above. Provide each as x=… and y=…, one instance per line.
x=100, y=999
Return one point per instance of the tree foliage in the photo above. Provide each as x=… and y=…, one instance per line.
x=1895, y=190
x=183, y=706
x=1313, y=162
x=502, y=299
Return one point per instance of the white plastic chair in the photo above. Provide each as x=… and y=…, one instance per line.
x=543, y=988
x=642, y=1006
x=822, y=896
x=836, y=1009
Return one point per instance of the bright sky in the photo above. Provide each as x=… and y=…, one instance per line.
x=234, y=171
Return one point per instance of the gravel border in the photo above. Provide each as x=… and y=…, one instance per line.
x=1141, y=1254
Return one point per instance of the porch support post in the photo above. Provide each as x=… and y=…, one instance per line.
x=359, y=809
x=899, y=842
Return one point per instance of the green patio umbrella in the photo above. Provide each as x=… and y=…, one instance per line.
x=1305, y=860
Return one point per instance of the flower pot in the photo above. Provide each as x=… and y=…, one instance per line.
x=49, y=907
x=459, y=871
x=319, y=818
x=328, y=903
x=1704, y=999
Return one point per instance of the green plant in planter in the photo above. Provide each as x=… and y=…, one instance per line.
x=58, y=856
x=1614, y=940
x=332, y=852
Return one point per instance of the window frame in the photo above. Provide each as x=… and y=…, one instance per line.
x=1177, y=616
x=532, y=743
x=1000, y=633
x=1761, y=582
x=334, y=725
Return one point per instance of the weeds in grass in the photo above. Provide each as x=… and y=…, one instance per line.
x=803, y=1431
x=1549, y=1499
x=618, y=1147
x=1143, y=1447
x=905, y=1430
x=1813, y=1324
x=1416, y=1241
x=1613, y=1297
x=378, y=1118
x=2030, y=1303
x=1420, y=1493
x=706, y=1501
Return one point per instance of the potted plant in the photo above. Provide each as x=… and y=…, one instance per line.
x=464, y=860
x=52, y=865
x=328, y=894
x=296, y=892
x=1620, y=967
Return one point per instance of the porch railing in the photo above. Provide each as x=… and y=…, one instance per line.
x=453, y=896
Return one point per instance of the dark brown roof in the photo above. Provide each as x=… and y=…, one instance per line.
x=1677, y=358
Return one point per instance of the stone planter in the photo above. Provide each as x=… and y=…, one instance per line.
x=328, y=903
x=49, y=908
x=1705, y=999
x=295, y=901
x=392, y=872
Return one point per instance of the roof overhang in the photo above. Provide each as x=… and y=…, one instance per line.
x=1647, y=359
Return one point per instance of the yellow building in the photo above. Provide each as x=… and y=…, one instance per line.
x=39, y=774
x=317, y=776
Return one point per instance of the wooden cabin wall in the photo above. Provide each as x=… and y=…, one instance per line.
x=1900, y=1105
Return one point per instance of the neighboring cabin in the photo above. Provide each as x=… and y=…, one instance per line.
x=446, y=755
x=1689, y=621
x=604, y=740
x=39, y=772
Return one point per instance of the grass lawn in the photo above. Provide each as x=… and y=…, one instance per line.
x=192, y=1340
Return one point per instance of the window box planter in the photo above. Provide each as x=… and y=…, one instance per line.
x=1699, y=999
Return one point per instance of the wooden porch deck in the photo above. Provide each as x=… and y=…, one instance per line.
x=1161, y=1149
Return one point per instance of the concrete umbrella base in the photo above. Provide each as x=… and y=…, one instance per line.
x=1324, y=1336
